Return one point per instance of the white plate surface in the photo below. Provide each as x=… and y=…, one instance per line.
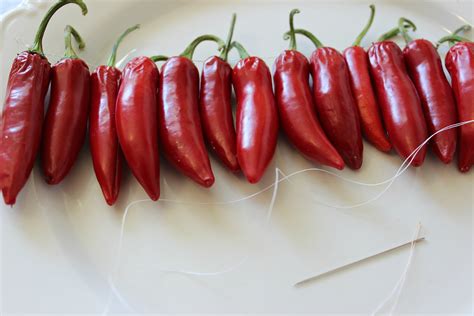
x=59, y=244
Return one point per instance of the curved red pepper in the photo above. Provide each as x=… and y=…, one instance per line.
x=136, y=122
x=105, y=148
x=399, y=101
x=460, y=64
x=370, y=117
x=216, y=110
x=22, y=118
x=65, y=125
x=257, y=118
x=215, y=105
x=180, y=128
x=426, y=70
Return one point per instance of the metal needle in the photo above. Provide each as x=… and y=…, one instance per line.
x=344, y=266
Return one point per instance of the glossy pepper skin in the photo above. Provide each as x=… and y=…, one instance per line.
x=22, y=121
x=370, y=117
x=22, y=117
x=105, y=148
x=136, y=122
x=460, y=64
x=180, y=127
x=65, y=125
x=257, y=118
x=426, y=71
x=216, y=111
x=336, y=106
x=399, y=101
x=297, y=110
x=106, y=154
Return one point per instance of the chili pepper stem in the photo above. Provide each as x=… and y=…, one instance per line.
x=367, y=27
x=113, y=57
x=403, y=29
x=292, y=35
x=242, y=51
x=227, y=48
x=307, y=34
x=453, y=38
x=392, y=33
x=189, y=51
x=69, y=32
x=38, y=41
x=158, y=58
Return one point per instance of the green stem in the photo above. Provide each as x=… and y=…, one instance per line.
x=70, y=32
x=38, y=42
x=392, y=33
x=453, y=38
x=225, y=52
x=113, y=56
x=367, y=27
x=403, y=30
x=293, y=45
x=242, y=51
x=307, y=34
x=189, y=51
x=158, y=58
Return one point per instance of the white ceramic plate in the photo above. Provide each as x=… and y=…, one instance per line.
x=59, y=244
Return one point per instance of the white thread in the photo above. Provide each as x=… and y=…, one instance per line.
x=397, y=290
x=124, y=218
x=114, y=289
x=405, y=165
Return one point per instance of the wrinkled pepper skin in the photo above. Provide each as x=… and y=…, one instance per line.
x=336, y=105
x=216, y=111
x=136, y=122
x=370, y=117
x=66, y=120
x=297, y=110
x=105, y=149
x=437, y=99
x=460, y=64
x=180, y=128
x=257, y=117
x=22, y=121
x=399, y=101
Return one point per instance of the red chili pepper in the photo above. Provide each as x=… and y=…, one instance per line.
x=136, y=122
x=180, y=127
x=105, y=148
x=460, y=64
x=371, y=119
x=257, y=118
x=216, y=108
x=426, y=70
x=335, y=103
x=401, y=107
x=65, y=125
x=22, y=118
x=296, y=106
